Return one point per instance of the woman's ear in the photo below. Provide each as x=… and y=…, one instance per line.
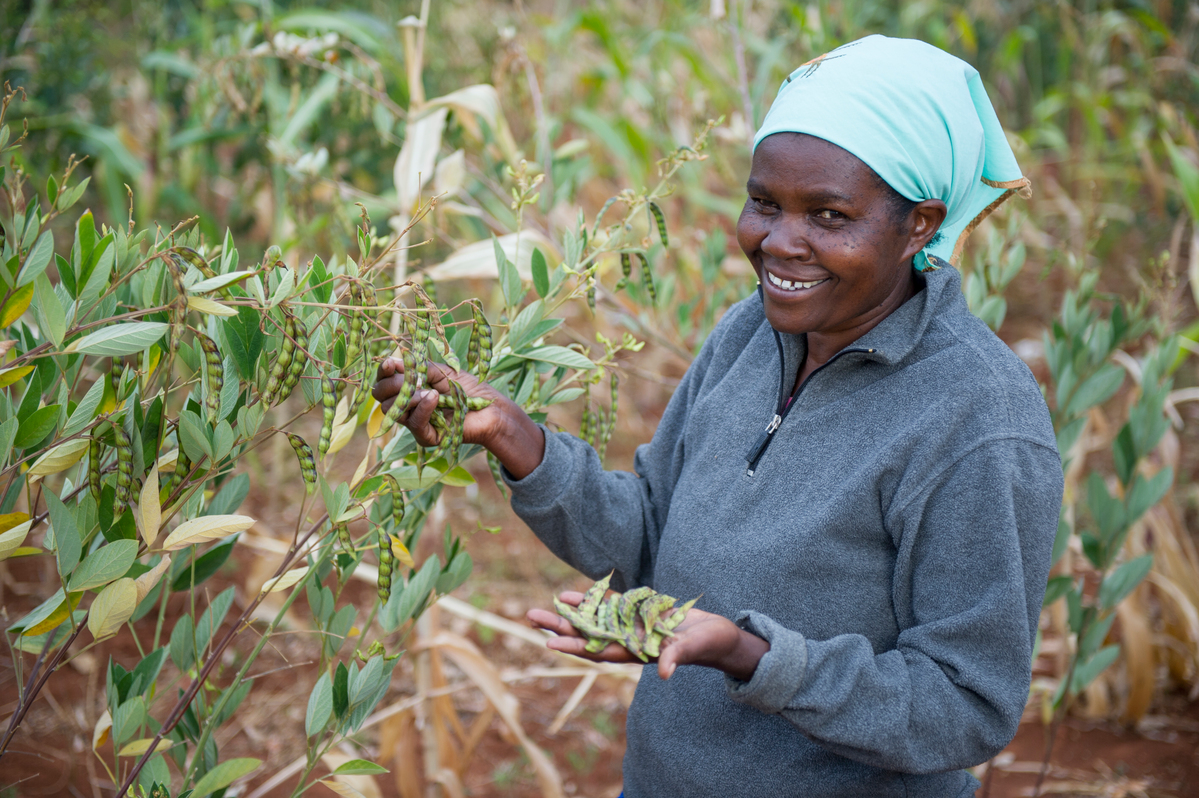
x=923, y=223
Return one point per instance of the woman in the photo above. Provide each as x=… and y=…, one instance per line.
x=872, y=570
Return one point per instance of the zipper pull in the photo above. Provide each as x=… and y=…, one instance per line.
x=760, y=446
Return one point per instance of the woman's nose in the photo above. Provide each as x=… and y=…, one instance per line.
x=786, y=240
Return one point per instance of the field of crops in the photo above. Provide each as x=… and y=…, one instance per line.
x=192, y=189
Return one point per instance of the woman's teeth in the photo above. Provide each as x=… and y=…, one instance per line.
x=787, y=285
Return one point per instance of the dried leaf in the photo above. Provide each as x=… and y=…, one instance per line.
x=12, y=539
x=139, y=747
x=112, y=607
x=101, y=731
x=344, y=790
x=209, y=527
x=60, y=457
x=203, y=305
x=149, y=510
x=343, y=427
x=147, y=581
x=284, y=580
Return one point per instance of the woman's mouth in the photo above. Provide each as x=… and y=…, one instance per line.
x=790, y=285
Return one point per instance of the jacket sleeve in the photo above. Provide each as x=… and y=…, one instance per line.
x=971, y=567
x=598, y=521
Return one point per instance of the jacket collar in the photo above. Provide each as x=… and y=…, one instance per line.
x=894, y=338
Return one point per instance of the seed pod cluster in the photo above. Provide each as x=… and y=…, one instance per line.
x=478, y=350
x=214, y=370
x=307, y=461
x=282, y=363
x=328, y=412
x=124, y=465
x=299, y=359
x=639, y=620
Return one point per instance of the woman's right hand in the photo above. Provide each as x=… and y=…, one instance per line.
x=503, y=427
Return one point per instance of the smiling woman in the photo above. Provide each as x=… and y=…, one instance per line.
x=871, y=582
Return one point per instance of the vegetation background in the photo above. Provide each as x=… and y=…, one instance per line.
x=270, y=120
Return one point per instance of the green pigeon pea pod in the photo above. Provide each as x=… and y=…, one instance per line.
x=299, y=361
x=446, y=401
x=591, y=297
x=328, y=413
x=444, y=436
x=587, y=425
x=397, y=501
x=385, y=564
x=594, y=595
x=493, y=464
x=626, y=270
x=457, y=424
x=307, y=461
x=656, y=212
x=94, y=454
x=651, y=610
x=282, y=363
x=214, y=371
x=647, y=280
x=197, y=260
x=343, y=537
x=114, y=377
x=428, y=285
x=672, y=621
x=273, y=255
x=356, y=324
x=179, y=305
x=600, y=215
x=403, y=396
x=478, y=351
x=183, y=467
x=124, y=446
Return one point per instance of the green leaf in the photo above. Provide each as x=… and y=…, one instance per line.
x=128, y=719
x=85, y=411
x=456, y=573
x=1096, y=389
x=182, y=648
x=339, y=628
x=341, y=690
x=230, y=496
x=320, y=706
x=38, y=259
x=191, y=436
x=244, y=340
x=509, y=277
x=1094, y=636
x=1107, y=510
x=559, y=356
x=37, y=426
x=1057, y=587
x=359, y=767
x=120, y=339
x=541, y=275
x=67, y=541
x=1122, y=581
x=223, y=775
x=1086, y=672
x=207, y=564
x=218, y=282
x=212, y=619
x=404, y=603
x=103, y=565
x=1145, y=493
x=51, y=317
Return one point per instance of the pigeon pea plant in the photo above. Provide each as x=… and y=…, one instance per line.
x=1087, y=366
x=139, y=368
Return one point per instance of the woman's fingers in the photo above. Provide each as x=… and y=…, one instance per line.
x=570, y=640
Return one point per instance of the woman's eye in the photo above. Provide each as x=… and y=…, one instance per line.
x=762, y=204
x=829, y=215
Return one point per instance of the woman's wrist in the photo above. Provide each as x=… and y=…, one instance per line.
x=518, y=443
x=743, y=660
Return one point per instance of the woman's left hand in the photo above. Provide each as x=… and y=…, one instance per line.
x=702, y=639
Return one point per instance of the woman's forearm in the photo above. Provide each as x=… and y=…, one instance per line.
x=518, y=443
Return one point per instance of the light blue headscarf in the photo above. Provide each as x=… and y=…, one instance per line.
x=917, y=116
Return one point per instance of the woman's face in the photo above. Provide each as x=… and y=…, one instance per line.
x=820, y=231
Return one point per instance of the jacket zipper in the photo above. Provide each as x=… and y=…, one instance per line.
x=759, y=448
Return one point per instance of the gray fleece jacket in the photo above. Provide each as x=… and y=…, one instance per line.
x=892, y=545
